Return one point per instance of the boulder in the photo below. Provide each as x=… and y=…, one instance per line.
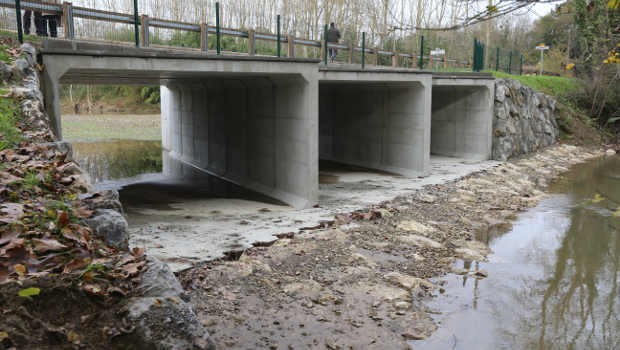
x=111, y=226
x=160, y=318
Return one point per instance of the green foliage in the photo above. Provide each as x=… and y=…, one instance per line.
x=30, y=181
x=561, y=88
x=150, y=95
x=10, y=135
x=4, y=55
x=29, y=292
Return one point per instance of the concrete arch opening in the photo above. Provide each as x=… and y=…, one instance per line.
x=461, y=120
x=375, y=120
x=253, y=131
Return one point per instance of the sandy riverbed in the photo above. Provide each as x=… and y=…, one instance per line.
x=362, y=282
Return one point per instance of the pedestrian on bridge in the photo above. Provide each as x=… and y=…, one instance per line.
x=333, y=36
x=51, y=19
x=38, y=22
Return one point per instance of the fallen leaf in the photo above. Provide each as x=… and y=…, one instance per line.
x=76, y=264
x=3, y=335
x=19, y=269
x=7, y=237
x=29, y=292
x=73, y=337
x=133, y=268
x=137, y=251
x=47, y=244
x=7, y=178
x=83, y=212
x=63, y=219
x=597, y=198
x=616, y=213
x=4, y=274
x=11, y=212
x=93, y=289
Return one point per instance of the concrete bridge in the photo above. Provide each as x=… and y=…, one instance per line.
x=264, y=122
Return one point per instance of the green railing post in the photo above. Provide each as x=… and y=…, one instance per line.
x=510, y=63
x=521, y=65
x=218, y=43
x=136, y=23
x=279, y=42
x=18, y=15
x=363, y=49
x=474, y=63
x=497, y=59
x=421, y=61
x=325, y=45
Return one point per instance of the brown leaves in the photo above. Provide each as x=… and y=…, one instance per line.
x=46, y=244
x=11, y=212
x=130, y=270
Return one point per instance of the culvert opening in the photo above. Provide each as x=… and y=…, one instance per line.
x=461, y=123
x=366, y=125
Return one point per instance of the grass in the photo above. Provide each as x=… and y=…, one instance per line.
x=560, y=87
x=4, y=55
x=10, y=135
x=85, y=127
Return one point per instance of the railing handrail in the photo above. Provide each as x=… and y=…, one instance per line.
x=119, y=17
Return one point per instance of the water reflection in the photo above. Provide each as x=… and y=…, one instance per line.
x=553, y=280
x=119, y=159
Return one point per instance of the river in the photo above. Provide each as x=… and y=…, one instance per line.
x=553, y=278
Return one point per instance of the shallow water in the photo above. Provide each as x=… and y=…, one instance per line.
x=111, y=164
x=553, y=278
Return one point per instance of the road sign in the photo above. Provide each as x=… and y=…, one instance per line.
x=542, y=48
x=438, y=52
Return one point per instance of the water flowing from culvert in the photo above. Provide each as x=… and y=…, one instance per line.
x=554, y=278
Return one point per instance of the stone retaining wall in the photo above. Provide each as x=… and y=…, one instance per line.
x=524, y=120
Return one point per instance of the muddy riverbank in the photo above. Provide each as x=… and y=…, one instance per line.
x=363, y=282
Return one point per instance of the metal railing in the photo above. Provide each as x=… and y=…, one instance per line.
x=508, y=61
x=144, y=31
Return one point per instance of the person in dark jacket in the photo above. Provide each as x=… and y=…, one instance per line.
x=333, y=36
x=39, y=23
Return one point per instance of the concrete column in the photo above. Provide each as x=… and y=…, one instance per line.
x=258, y=132
x=461, y=121
x=383, y=126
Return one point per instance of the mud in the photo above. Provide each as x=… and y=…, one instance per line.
x=363, y=282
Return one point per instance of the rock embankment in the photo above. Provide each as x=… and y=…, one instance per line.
x=67, y=277
x=524, y=120
x=361, y=283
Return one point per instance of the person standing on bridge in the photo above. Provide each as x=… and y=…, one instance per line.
x=51, y=19
x=333, y=36
x=38, y=22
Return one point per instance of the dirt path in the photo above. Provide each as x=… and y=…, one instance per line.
x=362, y=282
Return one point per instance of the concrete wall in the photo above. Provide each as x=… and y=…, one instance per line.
x=461, y=121
x=258, y=132
x=379, y=126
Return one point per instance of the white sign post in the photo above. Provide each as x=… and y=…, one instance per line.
x=542, y=48
x=439, y=53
